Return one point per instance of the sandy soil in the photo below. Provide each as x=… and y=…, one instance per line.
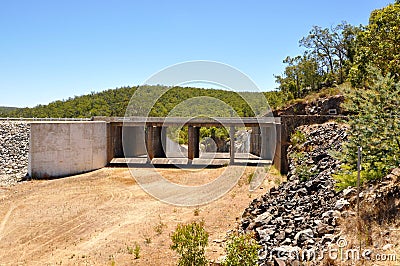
x=99, y=217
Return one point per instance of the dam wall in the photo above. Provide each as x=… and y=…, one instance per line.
x=64, y=148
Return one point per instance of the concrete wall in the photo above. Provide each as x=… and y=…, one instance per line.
x=60, y=149
x=134, y=141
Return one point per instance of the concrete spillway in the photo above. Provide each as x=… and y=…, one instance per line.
x=66, y=148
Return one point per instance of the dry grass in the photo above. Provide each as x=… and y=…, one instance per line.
x=376, y=226
x=323, y=93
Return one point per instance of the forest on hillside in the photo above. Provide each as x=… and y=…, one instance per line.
x=5, y=110
x=114, y=102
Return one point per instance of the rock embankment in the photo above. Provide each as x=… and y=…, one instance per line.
x=320, y=106
x=14, y=149
x=302, y=213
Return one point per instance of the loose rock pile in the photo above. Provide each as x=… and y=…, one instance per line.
x=14, y=149
x=302, y=213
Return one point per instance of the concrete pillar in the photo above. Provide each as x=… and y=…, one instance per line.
x=154, y=142
x=232, y=144
x=110, y=146
x=268, y=142
x=164, y=142
x=255, y=141
x=277, y=162
x=114, y=142
x=193, y=142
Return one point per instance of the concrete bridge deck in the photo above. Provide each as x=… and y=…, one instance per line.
x=205, y=159
x=195, y=122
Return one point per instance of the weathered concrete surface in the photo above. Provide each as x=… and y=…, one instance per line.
x=60, y=149
x=133, y=141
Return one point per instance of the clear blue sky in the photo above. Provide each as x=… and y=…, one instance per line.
x=52, y=50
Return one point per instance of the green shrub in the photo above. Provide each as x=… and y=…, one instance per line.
x=250, y=178
x=297, y=157
x=241, y=250
x=304, y=172
x=136, y=251
x=347, y=177
x=189, y=241
x=297, y=138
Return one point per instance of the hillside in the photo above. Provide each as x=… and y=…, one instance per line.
x=113, y=102
x=4, y=110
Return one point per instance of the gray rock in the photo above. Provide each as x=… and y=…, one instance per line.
x=264, y=218
x=300, y=214
x=341, y=203
x=349, y=191
x=387, y=247
x=304, y=235
x=14, y=149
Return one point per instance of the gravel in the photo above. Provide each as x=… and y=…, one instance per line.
x=301, y=214
x=14, y=151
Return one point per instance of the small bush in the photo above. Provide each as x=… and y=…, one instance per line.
x=250, y=178
x=297, y=157
x=130, y=249
x=159, y=228
x=189, y=241
x=297, y=138
x=304, y=172
x=241, y=250
x=347, y=177
x=136, y=251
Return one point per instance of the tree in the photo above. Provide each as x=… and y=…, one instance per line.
x=375, y=126
x=301, y=75
x=378, y=44
x=343, y=41
x=332, y=49
x=320, y=42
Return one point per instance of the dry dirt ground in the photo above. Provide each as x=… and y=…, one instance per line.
x=97, y=219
